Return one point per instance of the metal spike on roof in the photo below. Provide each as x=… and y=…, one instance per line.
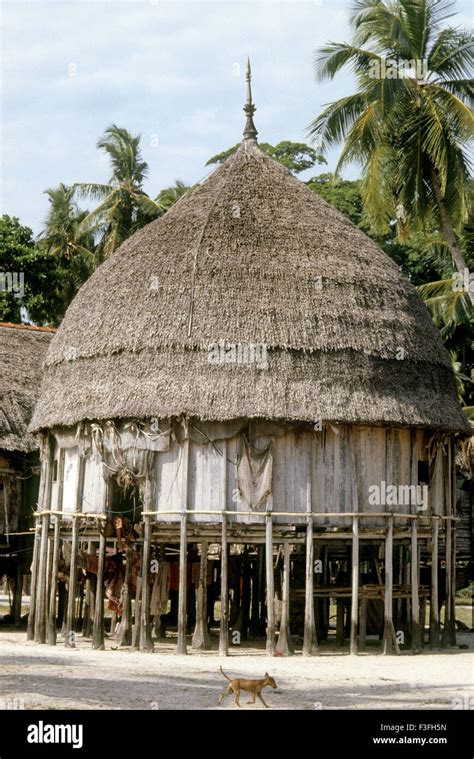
x=250, y=132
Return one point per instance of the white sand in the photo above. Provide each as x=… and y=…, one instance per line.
x=36, y=676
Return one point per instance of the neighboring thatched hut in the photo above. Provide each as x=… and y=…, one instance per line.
x=22, y=352
x=250, y=372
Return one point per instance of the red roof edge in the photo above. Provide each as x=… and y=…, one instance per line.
x=33, y=327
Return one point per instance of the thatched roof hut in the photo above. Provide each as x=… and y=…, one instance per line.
x=22, y=352
x=252, y=255
x=251, y=369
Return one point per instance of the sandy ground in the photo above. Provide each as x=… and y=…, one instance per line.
x=36, y=676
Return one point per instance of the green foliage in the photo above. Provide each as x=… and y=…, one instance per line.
x=409, y=130
x=170, y=195
x=296, y=156
x=346, y=196
x=123, y=205
x=340, y=193
x=423, y=260
x=42, y=277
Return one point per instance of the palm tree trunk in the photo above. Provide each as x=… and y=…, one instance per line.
x=448, y=232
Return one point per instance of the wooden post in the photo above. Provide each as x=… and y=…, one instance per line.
x=181, y=645
x=224, y=625
x=452, y=637
x=40, y=616
x=137, y=626
x=415, y=599
x=44, y=454
x=340, y=621
x=363, y=623
x=285, y=643
x=183, y=551
x=446, y=639
x=70, y=632
x=389, y=636
x=142, y=604
x=87, y=613
x=224, y=621
x=42, y=583
x=98, y=628
x=55, y=558
x=17, y=595
x=201, y=640
x=434, y=609
x=146, y=641
x=310, y=643
x=449, y=637
x=124, y=632
x=270, y=582
x=30, y=633
x=355, y=585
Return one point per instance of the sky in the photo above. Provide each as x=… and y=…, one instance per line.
x=172, y=71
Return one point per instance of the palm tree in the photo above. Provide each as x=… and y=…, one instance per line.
x=409, y=122
x=61, y=233
x=64, y=238
x=170, y=195
x=123, y=206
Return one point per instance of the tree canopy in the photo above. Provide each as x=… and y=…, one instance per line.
x=296, y=156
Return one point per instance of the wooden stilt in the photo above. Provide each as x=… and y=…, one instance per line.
x=17, y=594
x=55, y=554
x=86, y=615
x=201, y=640
x=40, y=616
x=449, y=637
x=446, y=639
x=389, y=637
x=224, y=621
x=363, y=623
x=339, y=622
x=137, y=626
x=452, y=636
x=285, y=643
x=98, y=628
x=42, y=582
x=355, y=585
x=224, y=625
x=434, y=603
x=70, y=632
x=53, y=584
x=415, y=600
x=181, y=645
x=93, y=584
x=146, y=641
x=310, y=643
x=49, y=567
x=124, y=632
x=30, y=633
x=270, y=585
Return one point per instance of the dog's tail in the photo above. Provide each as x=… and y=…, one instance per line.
x=226, y=677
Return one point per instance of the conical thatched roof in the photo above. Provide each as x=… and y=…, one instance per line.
x=22, y=352
x=250, y=256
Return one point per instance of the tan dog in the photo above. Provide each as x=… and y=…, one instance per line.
x=251, y=686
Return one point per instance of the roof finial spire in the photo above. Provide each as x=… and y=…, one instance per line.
x=250, y=133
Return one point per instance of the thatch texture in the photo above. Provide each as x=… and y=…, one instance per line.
x=22, y=352
x=250, y=256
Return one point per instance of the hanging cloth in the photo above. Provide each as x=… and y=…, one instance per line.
x=161, y=589
x=254, y=473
